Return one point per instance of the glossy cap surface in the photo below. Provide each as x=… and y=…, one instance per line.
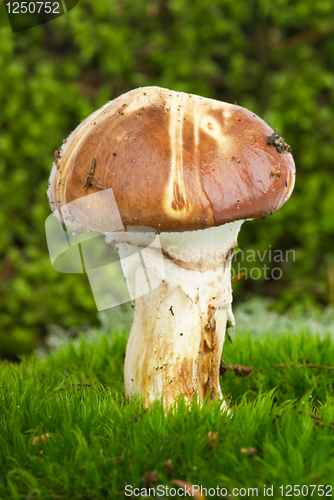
x=175, y=162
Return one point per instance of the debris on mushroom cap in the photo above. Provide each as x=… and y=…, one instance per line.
x=139, y=145
x=276, y=140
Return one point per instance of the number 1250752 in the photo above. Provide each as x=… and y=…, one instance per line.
x=297, y=490
x=33, y=7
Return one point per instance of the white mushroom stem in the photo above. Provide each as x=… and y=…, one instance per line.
x=178, y=332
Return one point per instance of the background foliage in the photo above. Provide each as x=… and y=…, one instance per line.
x=275, y=58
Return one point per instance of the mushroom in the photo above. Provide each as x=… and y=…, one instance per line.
x=193, y=169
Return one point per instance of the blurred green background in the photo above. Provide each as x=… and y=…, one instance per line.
x=275, y=58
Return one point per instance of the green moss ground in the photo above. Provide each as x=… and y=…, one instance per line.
x=99, y=442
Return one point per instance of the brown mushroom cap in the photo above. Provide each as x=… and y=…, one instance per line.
x=175, y=162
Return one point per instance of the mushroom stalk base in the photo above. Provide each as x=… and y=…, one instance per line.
x=172, y=350
x=178, y=331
